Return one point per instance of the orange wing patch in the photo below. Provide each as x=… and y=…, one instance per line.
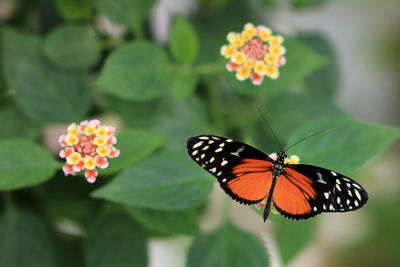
x=253, y=179
x=293, y=192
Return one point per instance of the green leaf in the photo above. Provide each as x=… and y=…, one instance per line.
x=346, y=147
x=169, y=181
x=72, y=47
x=228, y=247
x=24, y=163
x=182, y=120
x=169, y=222
x=24, y=241
x=184, y=84
x=137, y=71
x=300, y=4
x=297, y=109
x=135, y=114
x=183, y=41
x=42, y=92
x=17, y=123
x=134, y=146
x=115, y=240
x=301, y=61
x=128, y=12
x=324, y=81
x=73, y=10
x=293, y=236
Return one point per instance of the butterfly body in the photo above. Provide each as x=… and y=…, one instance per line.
x=297, y=191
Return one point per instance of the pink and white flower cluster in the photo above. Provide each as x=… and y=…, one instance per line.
x=86, y=146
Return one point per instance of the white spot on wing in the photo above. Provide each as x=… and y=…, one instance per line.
x=204, y=137
x=356, y=185
x=333, y=173
x=357, y=194
x=356, y=203
x=198, y=144
x=212, y=159
x=211, y=141
x=331, y=207
x=205, y=148
x=218, y=174
x=213, y=170
x=338, y=187
x=218, y=149
x=194, y=153
x=315, y=209
x=202, y=156
x=221, y=145
x=237, y=152
x=224, y=162
x=224, y=180
x=320, y=180
x=229, y=140
x=326, y=195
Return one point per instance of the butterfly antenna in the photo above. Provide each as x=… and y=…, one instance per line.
x=302, y=139
x=269, y=126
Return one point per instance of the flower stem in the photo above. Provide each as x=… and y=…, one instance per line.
x=208, y=68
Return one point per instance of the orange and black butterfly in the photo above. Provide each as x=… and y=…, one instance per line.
x=297, y=191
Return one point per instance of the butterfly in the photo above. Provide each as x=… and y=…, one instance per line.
x=297, y=191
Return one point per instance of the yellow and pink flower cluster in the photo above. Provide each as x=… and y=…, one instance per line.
x=87, y=146
x=254, y=53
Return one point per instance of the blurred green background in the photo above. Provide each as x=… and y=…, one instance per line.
x=153, y=70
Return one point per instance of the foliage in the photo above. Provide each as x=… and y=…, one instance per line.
x=69, y=69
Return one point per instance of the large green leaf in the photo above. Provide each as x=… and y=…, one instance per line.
x=169, y=222
x=128, y=12
x=42, y=92
x=169, y=181
x=346, y=147
x=136, y=71
x=183, y=41
x=24, y=163
x=228, y=247
x=17, y=123
x=74, y=9
x=293, y=236
x=300, y=4
x=325, y=81
x=72, y=47
x=115, y=240
x=24, y=241
x=134, y=145
x=285, y=113
x=301, y=61
x=182, y=120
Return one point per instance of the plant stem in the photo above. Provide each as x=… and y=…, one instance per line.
x=208, y=68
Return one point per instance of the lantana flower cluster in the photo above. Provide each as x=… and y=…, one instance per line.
x=254, y=53
x=293, y=159
x=87, y=145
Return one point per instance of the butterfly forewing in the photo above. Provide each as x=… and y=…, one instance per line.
x=242, y=171
x=321, y=190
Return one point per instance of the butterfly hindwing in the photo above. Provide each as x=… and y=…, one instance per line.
x=306, y=190
x=241, y=170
